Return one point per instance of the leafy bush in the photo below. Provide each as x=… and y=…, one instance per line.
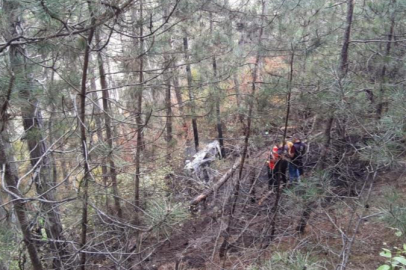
x=395, y=260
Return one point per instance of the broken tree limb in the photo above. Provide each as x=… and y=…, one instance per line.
x=261, y=201
x=217, y=185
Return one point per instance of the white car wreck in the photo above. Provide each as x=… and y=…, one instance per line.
x=198, y=167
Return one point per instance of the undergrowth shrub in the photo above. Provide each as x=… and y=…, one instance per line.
x=162, y=215
x=8, y=249
x=292, y=261
x=393, y=207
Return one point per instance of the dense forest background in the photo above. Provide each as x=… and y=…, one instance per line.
x=103, y=104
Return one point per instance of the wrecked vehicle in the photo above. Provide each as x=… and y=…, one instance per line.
x=199, y=166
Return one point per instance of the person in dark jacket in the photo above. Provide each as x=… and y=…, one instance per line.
x=296, y=168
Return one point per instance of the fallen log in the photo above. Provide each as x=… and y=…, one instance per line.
x=217, y=185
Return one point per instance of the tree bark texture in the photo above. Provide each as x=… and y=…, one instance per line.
x=84, y=185
x=343, y=69
x=32, y=122
x=10, y=171
x=224, y=247
x=218, y=111
x=167, y=70
x=347, y=37
x=139, y=114
x=238, y=100
x=107, y=125
x=275, y=208
x=99, y=131
x=382, y=78
x=191, y=95
x=168, y=105
x=217, y=96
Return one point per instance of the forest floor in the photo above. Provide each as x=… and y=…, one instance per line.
x=196, y=243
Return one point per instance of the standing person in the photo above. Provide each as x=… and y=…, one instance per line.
x=289, y=151
x=296, y=153
x=277, y=166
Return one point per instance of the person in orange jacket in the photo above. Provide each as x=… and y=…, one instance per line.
x=277, y=166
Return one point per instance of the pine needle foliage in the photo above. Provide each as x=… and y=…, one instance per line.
x=162, y=215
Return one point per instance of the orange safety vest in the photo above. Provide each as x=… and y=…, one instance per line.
x=275, y=157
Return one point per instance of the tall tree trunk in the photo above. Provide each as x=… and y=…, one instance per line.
x=218, y=120
x=84, y=184
x=139, y=114
x=168, y=71
x=238, y=100
x=177, y=88
x=275, y=208
x=168, y=106
x=380, y=105
x=347, y=37
x=254, y=74
x=99, y=131
x=65, y=173
x=40, y=160
x=51, y=132
x=10, y=172
x=327, y=141
x=217, y=98
x=8, y=168
x=190, y=92
x=4, y=213
x=343, y=69
x=109, y=133
x=32, y=122
x=236, y=81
